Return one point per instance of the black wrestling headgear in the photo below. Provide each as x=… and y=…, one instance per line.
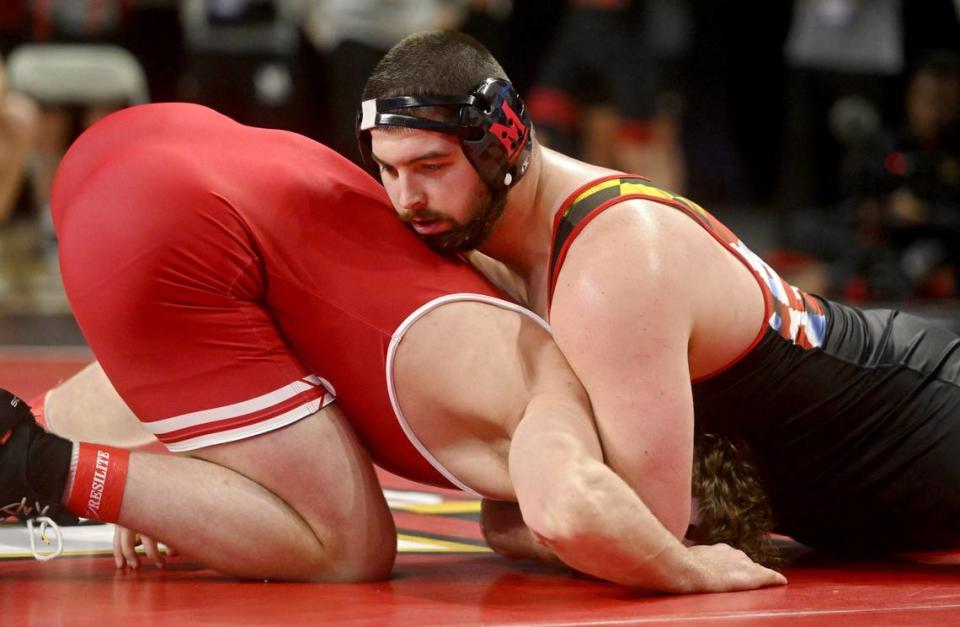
x=491, y=122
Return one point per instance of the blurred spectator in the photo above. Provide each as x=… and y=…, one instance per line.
x=154, y=34
x=18, y=121
x=597, y=95
x=242, y=60
x=351, y=36
x=930, y=25
x=842, y=57
x=13, y=19
x=897, y=236
x=910, y=189
x=77, y=73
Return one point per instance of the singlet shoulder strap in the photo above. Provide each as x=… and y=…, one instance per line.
x=582, y=204
x=790, y=312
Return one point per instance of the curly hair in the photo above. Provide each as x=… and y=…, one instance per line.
x=733, y=504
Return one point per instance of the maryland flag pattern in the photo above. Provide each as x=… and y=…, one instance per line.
x=792, y=313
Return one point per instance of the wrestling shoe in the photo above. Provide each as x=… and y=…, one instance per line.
x=34, y=465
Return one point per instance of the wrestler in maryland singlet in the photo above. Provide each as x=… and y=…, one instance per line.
x=232, y=280
x=853, y=416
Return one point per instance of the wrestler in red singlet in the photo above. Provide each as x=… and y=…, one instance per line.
x=231, y=280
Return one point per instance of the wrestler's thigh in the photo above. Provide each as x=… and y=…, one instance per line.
x=320, y=470
x=87, y=408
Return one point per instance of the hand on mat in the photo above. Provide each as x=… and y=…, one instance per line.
x=726, y=569
x=125, y=543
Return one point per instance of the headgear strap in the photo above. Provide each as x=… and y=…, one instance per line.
x=492, y=124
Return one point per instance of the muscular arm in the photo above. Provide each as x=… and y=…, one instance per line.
x=647, y=301
x=591, y=519
x=623, y=314
x=18, y=124
x=571, y=503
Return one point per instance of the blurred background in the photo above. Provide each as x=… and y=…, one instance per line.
x=826, y=133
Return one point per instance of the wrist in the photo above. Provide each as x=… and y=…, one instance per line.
x=679, y=571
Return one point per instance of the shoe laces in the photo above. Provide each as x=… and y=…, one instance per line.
x=21, y=510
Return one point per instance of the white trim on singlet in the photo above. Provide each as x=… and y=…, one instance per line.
x=257, y=428
x=392, y=351
x=249, y=406
x=307, y=407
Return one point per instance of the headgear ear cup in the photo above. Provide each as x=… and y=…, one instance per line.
x=492, y=123
x=502, y=152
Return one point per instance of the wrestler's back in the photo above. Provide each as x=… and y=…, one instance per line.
x=333, y=266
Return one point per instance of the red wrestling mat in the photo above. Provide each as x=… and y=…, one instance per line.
x=440, y=578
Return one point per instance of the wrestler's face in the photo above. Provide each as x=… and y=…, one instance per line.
x=435, y=189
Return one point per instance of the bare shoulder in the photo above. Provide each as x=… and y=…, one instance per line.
x=636, y=257
x=466, y=375
x=637, y=229
x=467, y=359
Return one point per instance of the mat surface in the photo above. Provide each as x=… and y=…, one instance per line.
x=444, y=576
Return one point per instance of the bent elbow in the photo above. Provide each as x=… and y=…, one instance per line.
x=569, y=515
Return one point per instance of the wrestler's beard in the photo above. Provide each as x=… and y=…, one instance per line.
x=469, y=235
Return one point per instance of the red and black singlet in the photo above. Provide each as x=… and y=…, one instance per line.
x=853, y=416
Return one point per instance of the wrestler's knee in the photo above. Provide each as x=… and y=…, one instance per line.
x=337, y=560
x=338, y=526
x=352, y=565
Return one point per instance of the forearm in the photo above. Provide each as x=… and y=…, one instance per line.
x=598, y=525
x=580, y=509
x=585, y=513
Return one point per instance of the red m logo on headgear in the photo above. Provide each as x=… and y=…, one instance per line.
x=513, y=136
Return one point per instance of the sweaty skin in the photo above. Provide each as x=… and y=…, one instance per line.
x=540, y=432
x=646, y=301
x=324, y=544
x=520, y=430
x=672, y=303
